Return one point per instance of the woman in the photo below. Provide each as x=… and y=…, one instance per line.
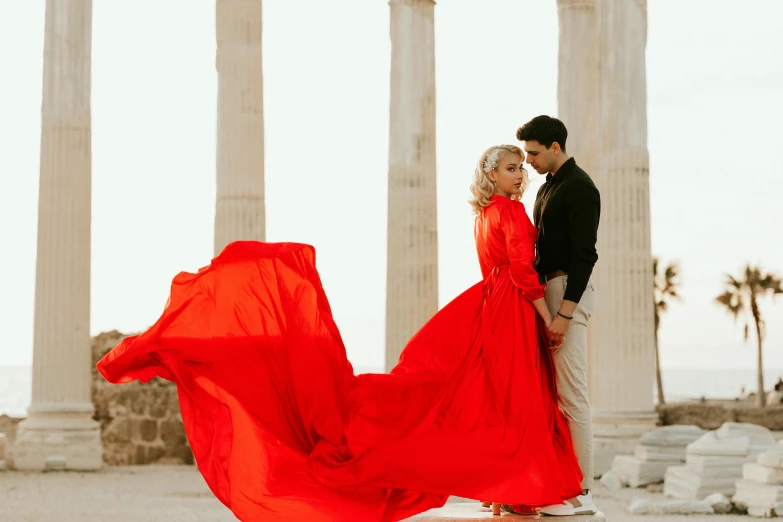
x=282, y=429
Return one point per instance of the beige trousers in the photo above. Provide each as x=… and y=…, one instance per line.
x=571, y=366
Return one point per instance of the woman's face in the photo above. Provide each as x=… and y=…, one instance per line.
x=509, y=175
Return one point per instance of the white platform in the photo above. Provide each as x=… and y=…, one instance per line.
x=464, y=512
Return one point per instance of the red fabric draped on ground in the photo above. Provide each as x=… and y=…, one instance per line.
x=282, y=429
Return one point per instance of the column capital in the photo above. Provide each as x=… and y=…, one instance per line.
x=576, y=4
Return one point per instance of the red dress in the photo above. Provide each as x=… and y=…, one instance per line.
x=282, y=429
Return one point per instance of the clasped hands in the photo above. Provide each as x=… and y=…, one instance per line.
x=559, y=325
x=556, y=330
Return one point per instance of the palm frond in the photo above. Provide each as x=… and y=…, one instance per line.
x=732, y=301
x=770, y=283
x=740, y=297
x=751, y=275
x=665, y=284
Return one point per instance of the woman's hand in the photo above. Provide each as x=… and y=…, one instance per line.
x=543, y=311
x=547, y=320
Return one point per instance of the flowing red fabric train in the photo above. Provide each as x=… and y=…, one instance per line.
x=282, y=429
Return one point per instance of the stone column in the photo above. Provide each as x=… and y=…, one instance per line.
x=622, y=358
x=412, y=262
x=577, y=86
x=240, y=209
x=59, y=432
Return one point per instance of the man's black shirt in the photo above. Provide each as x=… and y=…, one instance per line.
x=566, y=214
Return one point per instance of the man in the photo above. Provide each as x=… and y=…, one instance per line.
x=566, y=214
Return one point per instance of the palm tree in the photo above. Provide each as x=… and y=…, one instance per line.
x=665, y=285
x=741, y=299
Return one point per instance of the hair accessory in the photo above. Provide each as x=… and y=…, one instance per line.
x=491, y=163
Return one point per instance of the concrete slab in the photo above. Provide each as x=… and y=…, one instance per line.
x=466, y=512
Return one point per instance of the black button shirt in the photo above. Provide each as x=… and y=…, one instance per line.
x=566, y=214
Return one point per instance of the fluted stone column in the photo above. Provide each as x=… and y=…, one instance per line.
x=577, y=87
x=240, y=209
x=59, y=432
x=412, y=262
x=625, y=324
x=607, y=121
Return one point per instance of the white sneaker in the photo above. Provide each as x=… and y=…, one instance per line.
x=581, y=505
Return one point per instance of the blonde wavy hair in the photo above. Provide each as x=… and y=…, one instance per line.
x=484, y=188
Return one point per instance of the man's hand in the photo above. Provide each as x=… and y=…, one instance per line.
x=560, y=325
x=557, y=331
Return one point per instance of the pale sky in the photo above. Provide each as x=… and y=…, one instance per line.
x=715, y=92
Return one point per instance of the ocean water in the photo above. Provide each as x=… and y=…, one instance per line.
x=678, y=384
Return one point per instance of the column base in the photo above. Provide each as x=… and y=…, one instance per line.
x=58, y=439
x=617, y=433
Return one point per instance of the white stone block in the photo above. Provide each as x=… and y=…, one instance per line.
x=636, y=473
x=641, y=506
x=761, y=500
x=760, y=437
x=711, y=444
x=762, y=474
x=676, y=436
x=765, y=512
x=612, y=480
x=660, y=453
x=756, y=492
x=772, y=458
x=681, y=482
x=715, y=466
x=3, y=465
x=720, y=503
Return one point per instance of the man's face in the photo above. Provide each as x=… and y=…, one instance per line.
x=542, y=159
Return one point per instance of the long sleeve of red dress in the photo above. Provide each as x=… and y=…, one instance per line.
x=520, y=245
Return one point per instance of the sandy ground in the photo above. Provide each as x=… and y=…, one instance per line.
x=179, y=494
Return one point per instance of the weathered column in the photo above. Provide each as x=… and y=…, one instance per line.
x=240, y=210
x=59, y=432
x=412, y=256
x=577, y=86
x=622, y=358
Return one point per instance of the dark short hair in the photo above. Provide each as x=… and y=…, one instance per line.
x=546, y=130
